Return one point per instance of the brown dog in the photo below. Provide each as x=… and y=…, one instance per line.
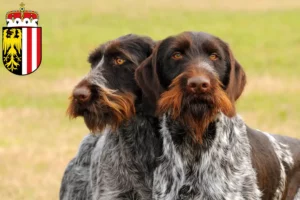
x=209, y=152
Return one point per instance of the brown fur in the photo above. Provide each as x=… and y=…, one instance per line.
x=172, y=101
x=265, y=162
x=116, y=108
x=146, y=78
x=293, y=178
x=183, y=41
x=237, y=80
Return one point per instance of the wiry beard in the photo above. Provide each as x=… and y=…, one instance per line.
x=196, y=111
x=107, y=108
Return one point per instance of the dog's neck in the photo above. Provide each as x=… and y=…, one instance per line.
x=223, y=158
x=144, y=107
x=144, y=111
x=222, y=126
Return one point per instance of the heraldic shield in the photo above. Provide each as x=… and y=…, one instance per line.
x=21, y=49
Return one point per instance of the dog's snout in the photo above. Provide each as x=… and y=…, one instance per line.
x=198, y=83
x=82, y=94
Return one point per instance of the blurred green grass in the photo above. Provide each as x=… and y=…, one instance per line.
x=37, y=139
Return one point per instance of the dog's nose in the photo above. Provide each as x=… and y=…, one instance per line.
x=200, y=83
x=82, y=94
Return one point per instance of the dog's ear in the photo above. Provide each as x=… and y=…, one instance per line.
x=147, y=79
x=237, y=77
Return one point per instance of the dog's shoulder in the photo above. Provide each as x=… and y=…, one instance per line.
x=264, y=161
x=293, y=144
x=86, y=147
x=274, y=157
x=75, y=184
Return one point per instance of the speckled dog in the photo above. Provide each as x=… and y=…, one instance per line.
x=208, y=151
x=120, y=162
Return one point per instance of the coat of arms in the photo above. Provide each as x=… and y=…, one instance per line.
x=22, y=41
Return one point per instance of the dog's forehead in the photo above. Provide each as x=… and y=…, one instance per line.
x=205, y=39
x=122, y=44
x=195, y=40
x=111, y=46
x=182, y=40
x=202, y=36
x=115, y=47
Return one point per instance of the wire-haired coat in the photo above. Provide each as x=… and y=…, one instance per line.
x=208, y=151
x=123, y=158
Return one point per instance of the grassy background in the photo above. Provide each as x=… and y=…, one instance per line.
x=37, y=139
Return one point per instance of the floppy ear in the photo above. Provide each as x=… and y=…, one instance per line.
x=147, y=79
x=237, y=78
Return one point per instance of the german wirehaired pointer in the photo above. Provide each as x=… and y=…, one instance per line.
x=123, y=159
x=75, y=183
x=208, y=151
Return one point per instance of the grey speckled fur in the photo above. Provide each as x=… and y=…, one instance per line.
x=118, y=165
x=297, y=197
x=123, y=161
x=126, y=160
x=76, y=179
x=218, y=169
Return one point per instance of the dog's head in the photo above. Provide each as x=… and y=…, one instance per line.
x=192, y=76
x=106, y=95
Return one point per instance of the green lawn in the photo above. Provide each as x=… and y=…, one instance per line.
x=37, y=138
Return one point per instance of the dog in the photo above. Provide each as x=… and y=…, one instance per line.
x=208, y=151
x=75, y=184
x=123, y=158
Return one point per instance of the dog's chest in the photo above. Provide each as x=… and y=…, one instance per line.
x=127, y=160
x=220, y=170
x=218, y=174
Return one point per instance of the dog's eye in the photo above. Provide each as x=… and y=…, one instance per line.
x=177, y=56
x=213, y=57
x=119, y=61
